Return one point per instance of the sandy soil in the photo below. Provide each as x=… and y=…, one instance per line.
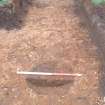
x=54, y=36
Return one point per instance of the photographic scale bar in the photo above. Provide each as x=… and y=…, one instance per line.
x=47, y=74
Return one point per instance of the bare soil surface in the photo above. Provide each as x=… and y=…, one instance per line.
x=55, y=37
x=96, y=16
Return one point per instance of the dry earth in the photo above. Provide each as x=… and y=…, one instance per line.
x=54, y=36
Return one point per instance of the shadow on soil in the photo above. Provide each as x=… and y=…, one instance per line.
x=98, y=38
x=48, y=83
x=50, y=87
x=11, y=21
x=16, y=21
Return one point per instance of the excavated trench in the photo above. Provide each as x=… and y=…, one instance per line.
x=59, y=34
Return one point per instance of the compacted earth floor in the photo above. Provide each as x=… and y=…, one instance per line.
x=52, y=36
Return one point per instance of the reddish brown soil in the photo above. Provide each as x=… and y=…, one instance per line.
x=54, y=35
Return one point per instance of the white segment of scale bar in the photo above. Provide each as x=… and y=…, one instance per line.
x=47, y=73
